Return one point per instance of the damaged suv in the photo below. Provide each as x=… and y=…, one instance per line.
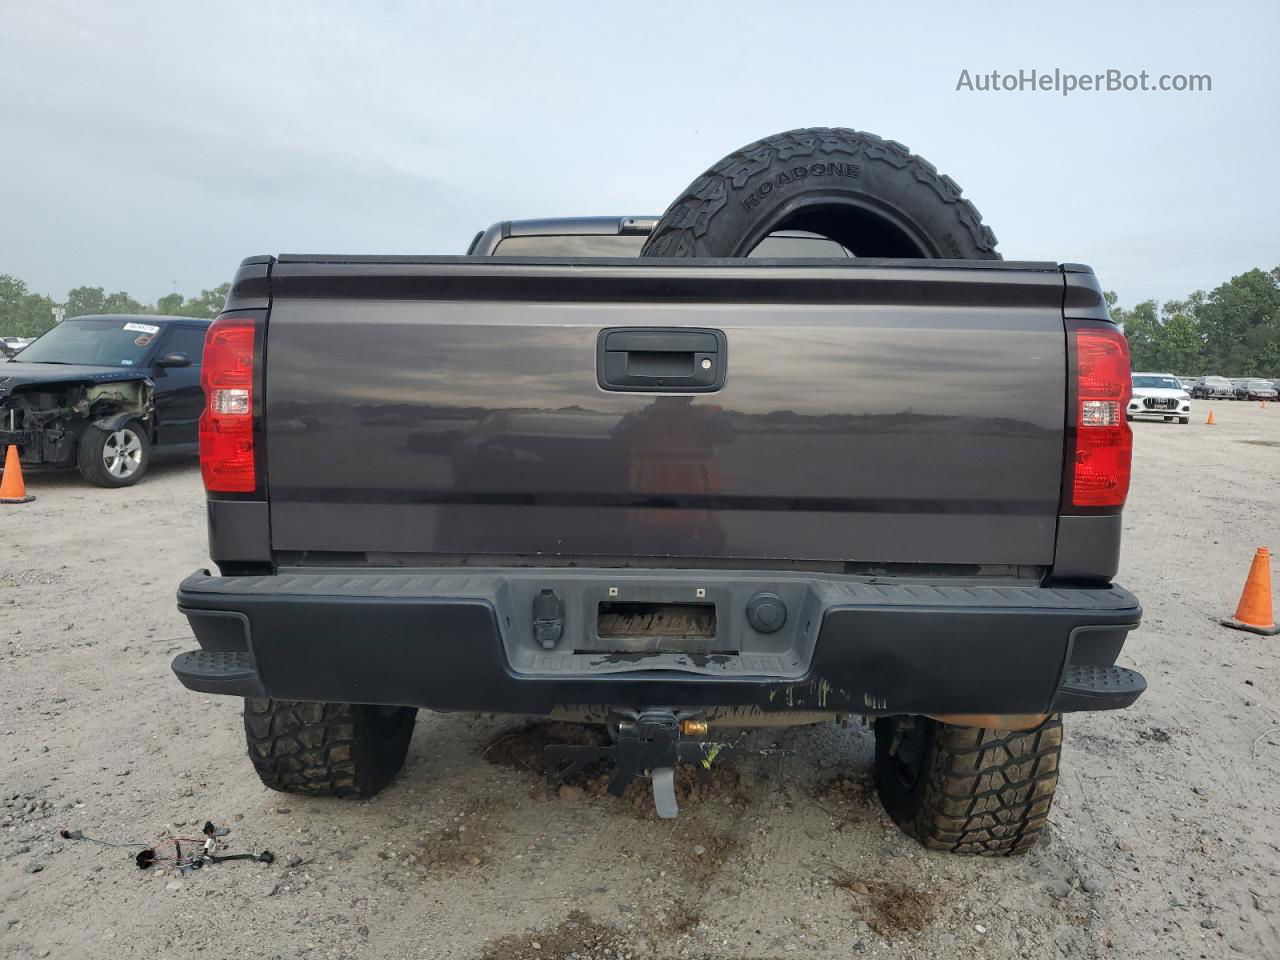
x=99, y=392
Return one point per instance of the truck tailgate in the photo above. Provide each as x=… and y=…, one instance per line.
x=871, y=411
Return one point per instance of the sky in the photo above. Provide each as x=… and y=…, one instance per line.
x=150, y=146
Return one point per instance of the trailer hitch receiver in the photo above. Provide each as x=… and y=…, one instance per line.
x=649, y=744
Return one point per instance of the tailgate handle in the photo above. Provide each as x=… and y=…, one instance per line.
x=661, y=359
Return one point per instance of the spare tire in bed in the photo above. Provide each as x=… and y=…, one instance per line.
x=873, y=196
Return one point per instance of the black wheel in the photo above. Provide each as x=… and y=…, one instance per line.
x=1128, y=416
x=327, y=749
x=114, y=458
x=967, y=789
x=873, y=196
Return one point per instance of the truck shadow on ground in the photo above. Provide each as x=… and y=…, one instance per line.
x=778, y=814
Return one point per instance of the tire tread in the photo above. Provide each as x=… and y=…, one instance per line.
x=988, y=791
x=687, y=219
x=322, y=749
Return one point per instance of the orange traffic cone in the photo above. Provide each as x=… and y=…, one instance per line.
x=12, y=489
x=1254, y=611
x=1211, y=421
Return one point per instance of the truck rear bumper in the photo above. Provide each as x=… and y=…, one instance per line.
x=465, y=640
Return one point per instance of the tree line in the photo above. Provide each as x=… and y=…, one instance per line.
x=1231, y=331
x=27, y=314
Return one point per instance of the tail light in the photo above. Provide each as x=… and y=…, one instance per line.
x=226, y=425
x=1104, y=443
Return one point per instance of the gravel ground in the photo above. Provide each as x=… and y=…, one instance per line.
x=1164, y=839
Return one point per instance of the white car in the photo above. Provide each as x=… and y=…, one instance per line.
x=1159, y=396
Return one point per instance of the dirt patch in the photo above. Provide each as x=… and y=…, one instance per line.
x=897, y=909
x=678, y=920
x=1155, y=735
x=893, y=909
x=695, y=786
x=844, y=799
x=578, y=936
x=845, y=790
x=521, y=749
x=463, y=843
x=700, y=855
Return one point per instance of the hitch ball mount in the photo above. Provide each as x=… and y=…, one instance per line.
x=648, y=743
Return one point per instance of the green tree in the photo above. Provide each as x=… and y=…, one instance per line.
x=208, y=304
x=1240, y=321
x=1180, y=349
x=121, y=302
x=23, y=313
x=83, y=301
x=1142, y=329
x=169, y=304
x=1113, y=306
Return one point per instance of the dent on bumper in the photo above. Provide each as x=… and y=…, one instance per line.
x=445, y=641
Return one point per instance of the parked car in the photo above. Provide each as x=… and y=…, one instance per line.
x=1158, y=396
x=579, y=511
x=99, y=392
x=1254, y=388
x=1213, y=388
x=12, y=346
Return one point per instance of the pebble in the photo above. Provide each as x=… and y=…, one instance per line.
x=980, y=928
x=570, y=792
x=1208, y=923
x=35, y=866
x=173, y=886
x=295, y=861
x=1059, y=889
x=1124, y=846
x=1092, y=885
x=699, y=850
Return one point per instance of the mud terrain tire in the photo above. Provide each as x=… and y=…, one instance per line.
x=873, y=196
x=326, y=749
x=969, y=789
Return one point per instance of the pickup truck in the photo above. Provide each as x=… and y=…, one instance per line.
x=672, y=496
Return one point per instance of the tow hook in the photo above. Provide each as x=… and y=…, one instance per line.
x=649, y=743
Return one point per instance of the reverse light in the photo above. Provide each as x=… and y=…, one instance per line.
x=1103, y=454
x=226, y=424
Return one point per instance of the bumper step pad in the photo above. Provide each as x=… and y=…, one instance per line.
x=219, y=671
x=1098, y=688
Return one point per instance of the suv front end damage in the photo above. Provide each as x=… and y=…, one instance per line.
x=45, y=420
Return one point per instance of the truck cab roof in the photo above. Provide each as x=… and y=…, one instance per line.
x=621, y=237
